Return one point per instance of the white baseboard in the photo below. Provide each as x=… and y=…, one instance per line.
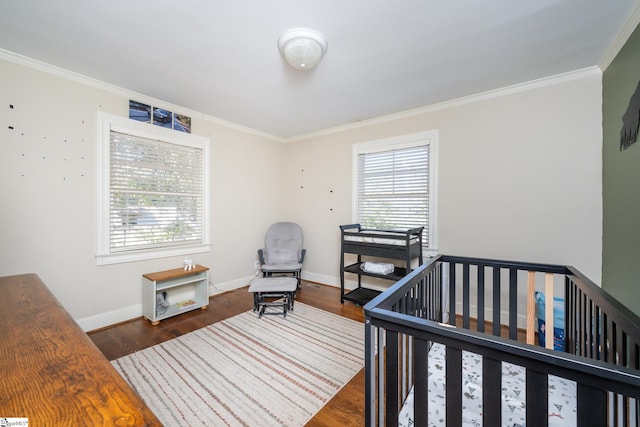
x=218, y=288
x=101, y=320
x=321, y=278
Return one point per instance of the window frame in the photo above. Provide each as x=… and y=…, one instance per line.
x=106, y=124
x=401, y=142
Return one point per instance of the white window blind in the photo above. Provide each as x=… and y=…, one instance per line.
x=393, y=189
x=155, y=195
x=153, y=191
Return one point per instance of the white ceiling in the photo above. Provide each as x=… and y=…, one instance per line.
x=220, y=57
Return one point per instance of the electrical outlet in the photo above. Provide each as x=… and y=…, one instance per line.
x=256, y=265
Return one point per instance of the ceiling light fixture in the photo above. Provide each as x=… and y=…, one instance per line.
x=302, y=48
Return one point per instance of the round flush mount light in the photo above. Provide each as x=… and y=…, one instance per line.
x=302, y=48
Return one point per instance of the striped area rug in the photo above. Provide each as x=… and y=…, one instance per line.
x=246, y=371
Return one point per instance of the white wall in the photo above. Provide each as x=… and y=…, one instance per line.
x=48, y=190
x=520, y=177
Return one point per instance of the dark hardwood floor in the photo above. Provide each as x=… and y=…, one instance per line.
x=345, y=409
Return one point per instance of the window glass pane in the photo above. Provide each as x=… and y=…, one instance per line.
x=156, y=193
x=393, y=189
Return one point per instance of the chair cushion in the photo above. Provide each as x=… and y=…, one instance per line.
x=273, y=284
x=282, y=267
x=283, y=243
x=284, y=252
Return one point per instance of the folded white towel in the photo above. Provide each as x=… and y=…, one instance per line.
x=377, y=267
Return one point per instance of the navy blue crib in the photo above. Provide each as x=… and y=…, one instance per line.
x=486, y=309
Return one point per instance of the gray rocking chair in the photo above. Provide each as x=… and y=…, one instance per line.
x=283, y=251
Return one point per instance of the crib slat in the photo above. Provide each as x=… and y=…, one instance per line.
x=581, y=324
x=454, y=386
x=391, y=375
x=625, y=348
x=531, y=307
x=371, y=357
x=421, y=385
x=548, y=311
x=593, y=330
x=619, y=346
x=491, y=392
x=537, y=398
x=465, y=297
x=480, y=298
x=570, y=317
x=452, y=293
x=591, y=406
x=381, y=382
x=496, y=301
x=405, y=356
x=513, y=304
x=606, y=333
x=595, y=321
x=437, y=303
x=615, y=345
x=430, y=295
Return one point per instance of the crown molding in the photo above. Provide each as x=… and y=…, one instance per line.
x=496, y=93
x=623, y=35
x=117, y=90
x=89, y=81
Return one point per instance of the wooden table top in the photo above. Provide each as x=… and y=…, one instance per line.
x=51, y=372
x=174, y=273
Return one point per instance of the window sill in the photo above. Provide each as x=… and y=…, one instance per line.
x=122, y=257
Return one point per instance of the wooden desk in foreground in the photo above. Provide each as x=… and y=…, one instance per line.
x=50, y=371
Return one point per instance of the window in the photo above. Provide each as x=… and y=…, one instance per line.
x=395, y=184
x=153, y=191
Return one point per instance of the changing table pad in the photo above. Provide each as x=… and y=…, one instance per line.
x=382, y=237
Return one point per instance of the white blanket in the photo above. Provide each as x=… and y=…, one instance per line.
x=377, y=267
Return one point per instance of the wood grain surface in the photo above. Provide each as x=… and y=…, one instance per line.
x=51, y=372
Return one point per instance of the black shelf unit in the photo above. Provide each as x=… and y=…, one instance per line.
x=411, y=250
x=361, y=296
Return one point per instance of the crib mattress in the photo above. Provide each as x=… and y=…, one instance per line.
x=382, y=238
x=562, y=394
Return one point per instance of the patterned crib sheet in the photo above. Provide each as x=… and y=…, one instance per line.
x=562, y=394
